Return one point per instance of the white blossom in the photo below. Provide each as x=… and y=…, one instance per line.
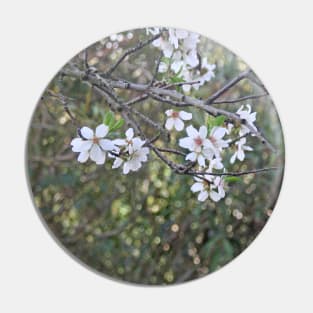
x=240, y=152
x=176, y=118
x=191, y=41
x=201, y=148
x=131, y=143
x=208, y=74
x=248, y=117
x=132, y=152
x=175, y=35
x=92, y=145
x=215, y=164
x=208, y=187
x=216, y=137
x=164, y=45
x=217, y=191
x=177, y=62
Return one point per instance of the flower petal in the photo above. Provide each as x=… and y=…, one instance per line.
x=215, y=196
x=106, y=144
x=240, y=155
x=201, y=160
x=76, y=144
x=129, y=133
x=169, y=123
x=85, y=145
x=179, y=124
x=203, y=195
x=240, y=109
x=218, y=132
x=196, y=187
x=76, y=141
x=185, y=115
x=117, y=162
x=119, y=142
x=83, y=157
x=169, y=112
x=86, y=132
x=137, y=143
x=191, y=131
x=203, y=131
x=186, y=142
x=247, y=148
x=97, y=155
x=102, y=130
x=126, y=168
x=233, y=158
x=191, y=156
x=208, y=153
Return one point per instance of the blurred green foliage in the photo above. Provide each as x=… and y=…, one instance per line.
x=147, y=227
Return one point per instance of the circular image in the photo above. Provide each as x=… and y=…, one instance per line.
x=155, y=156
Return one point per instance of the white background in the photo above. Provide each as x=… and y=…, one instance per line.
x=274, y=38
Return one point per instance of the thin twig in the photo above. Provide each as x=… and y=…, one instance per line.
x=250, y=97
x=156, y=71
x=132, y=50
x=266, y=169
x=169, y=150
x=230, y=84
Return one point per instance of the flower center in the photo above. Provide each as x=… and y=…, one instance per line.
x=175, y=114
x=198, y=141
x=212, y=139
x=95, y=140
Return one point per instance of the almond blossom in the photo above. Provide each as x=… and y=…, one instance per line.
x=219, y=193
x=201, y=147
x=176, y=118
x=241, y=148
x=132, y=152
x=248, y=117
x=181, y=47
x=208, y=74
x=175, y=35
x=209, y=188
x=216, y=135
x=92, y=144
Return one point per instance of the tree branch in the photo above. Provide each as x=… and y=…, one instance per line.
x=129, y=51
x=266, y=169
x=230, y=84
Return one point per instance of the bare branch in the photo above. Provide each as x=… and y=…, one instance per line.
x=230, y=84
x=266, y=169
x=132, y=50
x=64, y=100
x=171, y=151
x=250, y=97
x=174, y=95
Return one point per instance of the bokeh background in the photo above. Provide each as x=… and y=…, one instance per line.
x=147, y=227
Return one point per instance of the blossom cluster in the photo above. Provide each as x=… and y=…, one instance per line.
x=205, y=148
x=179, y=47
x=129, y=152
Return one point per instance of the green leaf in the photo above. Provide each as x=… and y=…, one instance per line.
x=118, y=124
x=109, y=119
x=220, y=120
x=176, y=79
x=210, y=122
x=232, y=179
x=215, y=121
